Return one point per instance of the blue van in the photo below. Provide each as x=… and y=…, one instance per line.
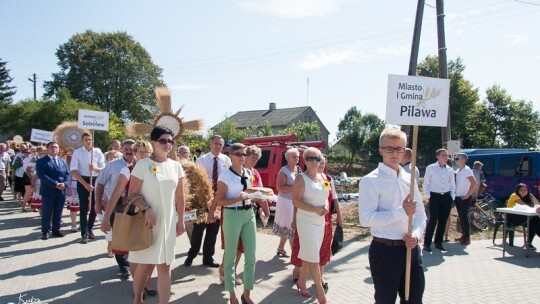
x=505, y=168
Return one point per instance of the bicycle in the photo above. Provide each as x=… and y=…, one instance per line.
x=482, y=213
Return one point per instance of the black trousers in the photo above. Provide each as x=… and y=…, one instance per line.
x=462, y=207
x=439, y=210
x=387, y=265
x=87, y=221
x=53, y=205
x=209, y=245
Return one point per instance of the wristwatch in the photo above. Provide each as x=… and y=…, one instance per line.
x=145, y=209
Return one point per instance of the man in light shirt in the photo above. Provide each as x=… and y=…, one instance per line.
x=384, y=204
x=440, y=188
x=465, y=185
x=214, y=163
x=4, y=168
x=86, y=161
x=406, y=164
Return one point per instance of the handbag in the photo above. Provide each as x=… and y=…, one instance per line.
x=337, y=242
x=129, y=231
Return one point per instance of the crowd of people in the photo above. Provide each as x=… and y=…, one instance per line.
x=147, y=175
x=94, y=185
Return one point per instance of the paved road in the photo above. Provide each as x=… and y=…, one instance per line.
x=60, y=270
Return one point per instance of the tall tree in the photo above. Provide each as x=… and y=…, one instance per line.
x=462, y=100
x=6, y=91
x=357, y=132
x=108, y=70
x=500, y=121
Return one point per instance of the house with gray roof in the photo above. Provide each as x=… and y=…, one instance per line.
x=280, y=119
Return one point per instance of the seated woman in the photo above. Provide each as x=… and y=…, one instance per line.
x=523, y=196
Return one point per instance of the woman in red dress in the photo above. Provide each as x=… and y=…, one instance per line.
x=325, y=251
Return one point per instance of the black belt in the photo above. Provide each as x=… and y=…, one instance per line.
x=388, y=242
x=440, y=193
x=246, y=207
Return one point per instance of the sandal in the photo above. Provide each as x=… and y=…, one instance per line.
x=282, y=253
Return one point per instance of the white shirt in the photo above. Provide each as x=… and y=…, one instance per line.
x=4, y=161
x=462, y=180
x=380, y=204
x=20, y=171
x=109, y=175
x=207, y=163
x=234, y=185
x=407, y=168
x=81, y=160
x=439, y=179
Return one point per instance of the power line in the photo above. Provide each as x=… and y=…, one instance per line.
x=526, y=2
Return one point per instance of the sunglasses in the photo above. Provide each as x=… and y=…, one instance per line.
x=457, y=158
x=239, y=154
x=313, y=158
x=164, y=141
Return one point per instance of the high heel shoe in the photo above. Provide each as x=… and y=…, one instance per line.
x=282, y=253
x=306, y=293
x=244, y=301
x=151, y=292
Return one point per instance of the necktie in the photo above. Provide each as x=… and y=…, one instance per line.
x=56, y=162
x=215, y=175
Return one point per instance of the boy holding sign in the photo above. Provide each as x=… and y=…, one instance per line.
x=384, y=205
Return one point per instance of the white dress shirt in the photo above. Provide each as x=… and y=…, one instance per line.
x=81, y=160
x=207, y=163
x=439, y=179
x=380, y=204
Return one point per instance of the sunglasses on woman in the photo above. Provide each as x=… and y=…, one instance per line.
x=165, y=141
x=313, y=158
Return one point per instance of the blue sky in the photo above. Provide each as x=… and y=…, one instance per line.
x=224, y=56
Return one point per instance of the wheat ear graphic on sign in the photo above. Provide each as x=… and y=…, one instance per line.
x=428, y=95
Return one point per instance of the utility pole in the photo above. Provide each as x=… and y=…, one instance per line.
x=413, y=61
x=446, y=133
x=34, y=81
x=307, y=92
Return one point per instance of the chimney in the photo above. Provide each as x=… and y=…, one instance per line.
x=272, y=107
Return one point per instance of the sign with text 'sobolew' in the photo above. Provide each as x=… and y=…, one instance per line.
x=413, y=100
x=41, y=136
x=93, y=120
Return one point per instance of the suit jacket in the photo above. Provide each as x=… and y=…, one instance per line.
x=50, y=175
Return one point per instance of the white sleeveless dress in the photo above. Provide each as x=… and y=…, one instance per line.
x=310, y=226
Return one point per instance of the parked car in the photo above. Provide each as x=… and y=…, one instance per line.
x=505, y=168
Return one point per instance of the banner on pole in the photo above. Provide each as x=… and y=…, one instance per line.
x=41, y=136
x=414, y=100
x=93, y=120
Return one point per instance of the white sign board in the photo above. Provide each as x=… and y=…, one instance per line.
x=93, y=120
x=421, y=101
x=41, y=136
x=453, y=147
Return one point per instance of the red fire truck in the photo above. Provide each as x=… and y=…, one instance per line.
x=273, y=150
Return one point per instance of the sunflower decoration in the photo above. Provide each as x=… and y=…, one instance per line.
x=154, y=169
x=165, y=117
x=326, y=185
x=252, y=179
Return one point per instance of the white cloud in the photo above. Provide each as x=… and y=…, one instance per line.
x=291, y=8
x=393, y=51
x=188, y=86
x=322, y=58
x=515, y=39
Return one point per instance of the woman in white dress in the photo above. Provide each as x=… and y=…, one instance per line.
x=284, y=207
x=310, y=196
x=159, y=180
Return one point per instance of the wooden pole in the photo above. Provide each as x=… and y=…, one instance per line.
x=409, y=226
x=91, y=173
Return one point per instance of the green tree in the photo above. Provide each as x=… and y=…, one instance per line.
x=302, y=130
x=22, y=117
x=266, y=129
x=500, y=121
x=6, y=91
x=229, y=130
x=357, y=132
x=462, y=101
x=108, y=70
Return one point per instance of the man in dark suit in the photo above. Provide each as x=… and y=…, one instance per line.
x=53, y=173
